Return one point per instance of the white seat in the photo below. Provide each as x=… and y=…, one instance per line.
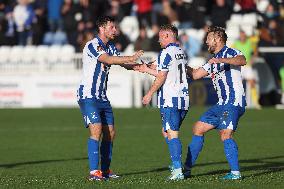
x=16, y=54
x=67, y=52
x=196, y=62
x=130, y=27
x=250, y=19
x=29, y=54
x=4, y=54
x=236, y=18
x=262, y=5
x=54, y=53
x=66, y=58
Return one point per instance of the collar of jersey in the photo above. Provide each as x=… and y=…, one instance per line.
x=221, y=51
x=172, y=44
x=102, y=43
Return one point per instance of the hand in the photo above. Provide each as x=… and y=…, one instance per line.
x=137, y=55
x=214, y=61
x=140, y=68
x=146, y=99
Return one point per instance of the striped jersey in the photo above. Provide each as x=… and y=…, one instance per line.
x=93, y=84
x=227, y=79
x=174, y=92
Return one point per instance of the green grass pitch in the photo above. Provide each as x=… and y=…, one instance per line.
x=46, y=148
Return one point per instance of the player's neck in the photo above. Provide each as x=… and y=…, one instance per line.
x=219, y=48
x=103, y=38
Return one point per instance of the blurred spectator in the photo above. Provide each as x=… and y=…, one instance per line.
x=245, y=46
x=8, y=34
x=184, y=13
x=155, y=45
x=72, y=15
x=54, y=15
x=276, y=31
x=142, y=42
x=191, y=45
x=83, y=39
x=247, y=6
x=55, y=38
x=144, y=15
x=274, y=60
x=124, y=9
x=169, y=12
x=121, y=41
x=40, y=26
x=199, y=10
x=220, y=13
x=24, y=17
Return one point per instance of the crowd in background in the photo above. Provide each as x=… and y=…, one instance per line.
x=48, y=22
x=36, y=22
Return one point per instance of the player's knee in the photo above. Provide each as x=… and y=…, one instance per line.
x=225, y=135
x=172, y=134
x=95, y=131
x=197, y=131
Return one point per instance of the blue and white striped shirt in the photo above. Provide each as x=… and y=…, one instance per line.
x=174, y=92
x=93, y=84
x=227, y=79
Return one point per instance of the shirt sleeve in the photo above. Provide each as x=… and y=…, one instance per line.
x=208, y=68
x=164, y=61
x=95, y=49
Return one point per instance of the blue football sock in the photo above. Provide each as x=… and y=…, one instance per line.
x=93, y=154
x=175, y=152
x=193, y=150
x=231, y=152
x=106, y=154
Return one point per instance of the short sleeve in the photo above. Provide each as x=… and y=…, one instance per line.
x=96, y=49
x=208, y=68
x=164, y=61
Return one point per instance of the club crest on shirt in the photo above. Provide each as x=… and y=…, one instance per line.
x=225, y=114
x=100, y=48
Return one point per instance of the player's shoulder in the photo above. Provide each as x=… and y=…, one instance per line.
x=232, y=51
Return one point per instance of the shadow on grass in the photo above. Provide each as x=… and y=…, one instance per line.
x=263, y=165
x=12, y=165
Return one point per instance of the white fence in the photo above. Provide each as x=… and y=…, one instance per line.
x=49, y=77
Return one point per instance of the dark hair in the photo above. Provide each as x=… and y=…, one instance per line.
x=102, y=21
x=169, y=27
x=219, y=31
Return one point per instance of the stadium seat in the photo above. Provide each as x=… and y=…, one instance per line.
x=130, y=27
x=196, y=62
x=262, y=5
x=4, y=54
x=29, y=54
x=66, y=57
x=41, y=54
x=249, y=19
x=16, y=55
x=236, y=19
x=54, y=53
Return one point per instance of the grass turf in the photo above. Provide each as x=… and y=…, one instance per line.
x=46, y=148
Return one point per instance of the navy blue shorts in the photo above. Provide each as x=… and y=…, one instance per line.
x=96, y=111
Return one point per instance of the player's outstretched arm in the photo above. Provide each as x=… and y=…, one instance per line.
x=144, y=68
x=196, y=73
x=238, y=60
x=105, y=58
x=159, y=81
